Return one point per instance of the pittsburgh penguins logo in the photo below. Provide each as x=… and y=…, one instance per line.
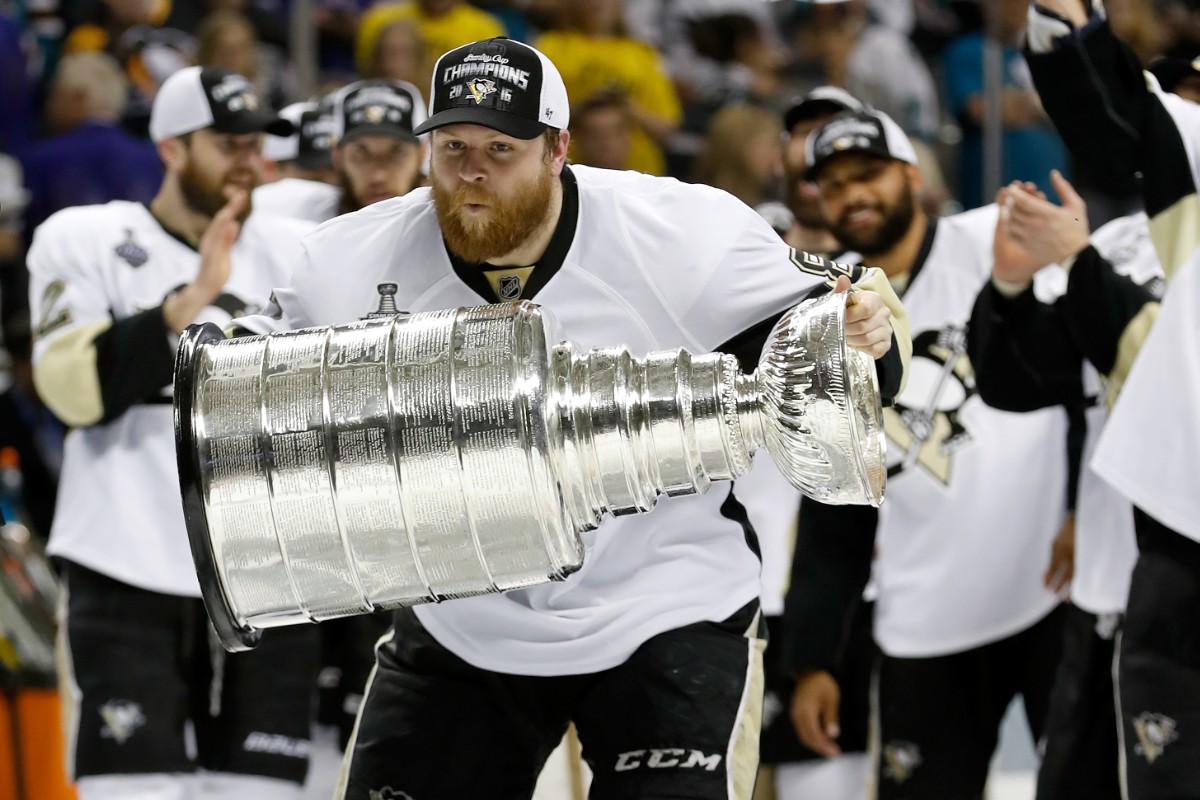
x=374, y=114
x=924, y=423
x=1154, y=733
x=480, y=88
x=900, y=760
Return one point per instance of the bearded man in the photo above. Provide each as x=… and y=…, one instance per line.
x=112, y=286
x=653, y=648
x=969, y=562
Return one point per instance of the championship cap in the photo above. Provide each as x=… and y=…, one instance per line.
x=210, y=97
x=858, y=132
x=388, y=108
x=501, y=84
x=821, y=101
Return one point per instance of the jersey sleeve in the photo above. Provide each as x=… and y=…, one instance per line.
x=88, y=367
x=284, y=311
x=1027, y=354
x=760, y=278
x=1115, y=119
x=831, y=565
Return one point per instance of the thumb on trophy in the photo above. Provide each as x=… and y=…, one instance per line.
x=842, y=285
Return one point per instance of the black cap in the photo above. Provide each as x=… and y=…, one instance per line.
x=870, y=132
x=1170, y=72
x=820, y=102
x=211, y=97
x=387, y=108
x=501, y=84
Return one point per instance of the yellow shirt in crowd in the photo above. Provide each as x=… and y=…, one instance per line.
x=589, y=64
x=444, y=32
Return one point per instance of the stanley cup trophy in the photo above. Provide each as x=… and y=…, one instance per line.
x=415, y=458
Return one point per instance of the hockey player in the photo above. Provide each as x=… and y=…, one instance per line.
x=653, y=649
x=962, y=617
x=112, y=286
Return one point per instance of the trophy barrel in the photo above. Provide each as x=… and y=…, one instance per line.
x=400, y=460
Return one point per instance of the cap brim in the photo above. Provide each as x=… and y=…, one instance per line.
x=505, y=122
x=259, y=121
x=378, y=130
x=314, y=160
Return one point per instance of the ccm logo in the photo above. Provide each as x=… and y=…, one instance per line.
x=668, y=758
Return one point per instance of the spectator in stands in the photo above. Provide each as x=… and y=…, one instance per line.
x=602, y=131
x=1031, y=148
x=444, y=24
x=875, y=63
x=16, y=121
x=227, y=39
x=743, y=154
x=29, y=427
x=90, y=159
x=399, y=55
x=595, y=53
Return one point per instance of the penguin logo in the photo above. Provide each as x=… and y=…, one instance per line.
x=924, y=424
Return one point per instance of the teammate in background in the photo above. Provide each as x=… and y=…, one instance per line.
x=669, y=631
x=810, y=232
x=111, y=287
x=1030, y=354
x=772, y=504
x=962, y=617
x=1113, y=118
x=306, y=153
x=376, y=154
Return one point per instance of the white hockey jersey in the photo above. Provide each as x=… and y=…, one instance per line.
x=647, y=262
x=1148, y=451
x=119, y=509
x=975, y=495
x=297, y=198
x=1105, y=545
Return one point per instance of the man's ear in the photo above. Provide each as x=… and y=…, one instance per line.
x=558, y=156
x=174, y=154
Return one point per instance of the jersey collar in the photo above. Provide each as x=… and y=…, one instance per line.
x=546, y=267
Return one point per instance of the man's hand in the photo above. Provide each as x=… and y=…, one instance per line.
x=1048, y=233
x=868, y=320
x=215, y=265
x=1062, y=559
x=1011, y=262
x=814, y=711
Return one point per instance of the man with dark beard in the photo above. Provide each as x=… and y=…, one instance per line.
x=111, y=288
x=653, y=647
x=810, y=231
x=976, y=498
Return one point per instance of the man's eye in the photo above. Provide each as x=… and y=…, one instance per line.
x=501, y=147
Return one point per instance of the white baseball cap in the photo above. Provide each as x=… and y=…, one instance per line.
x=866, y=131
x=210, y=97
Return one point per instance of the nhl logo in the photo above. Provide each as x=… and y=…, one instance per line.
x=510, y=287
x=131, y=252
x=480, y=88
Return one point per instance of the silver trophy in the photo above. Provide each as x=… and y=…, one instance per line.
x=414, y=458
